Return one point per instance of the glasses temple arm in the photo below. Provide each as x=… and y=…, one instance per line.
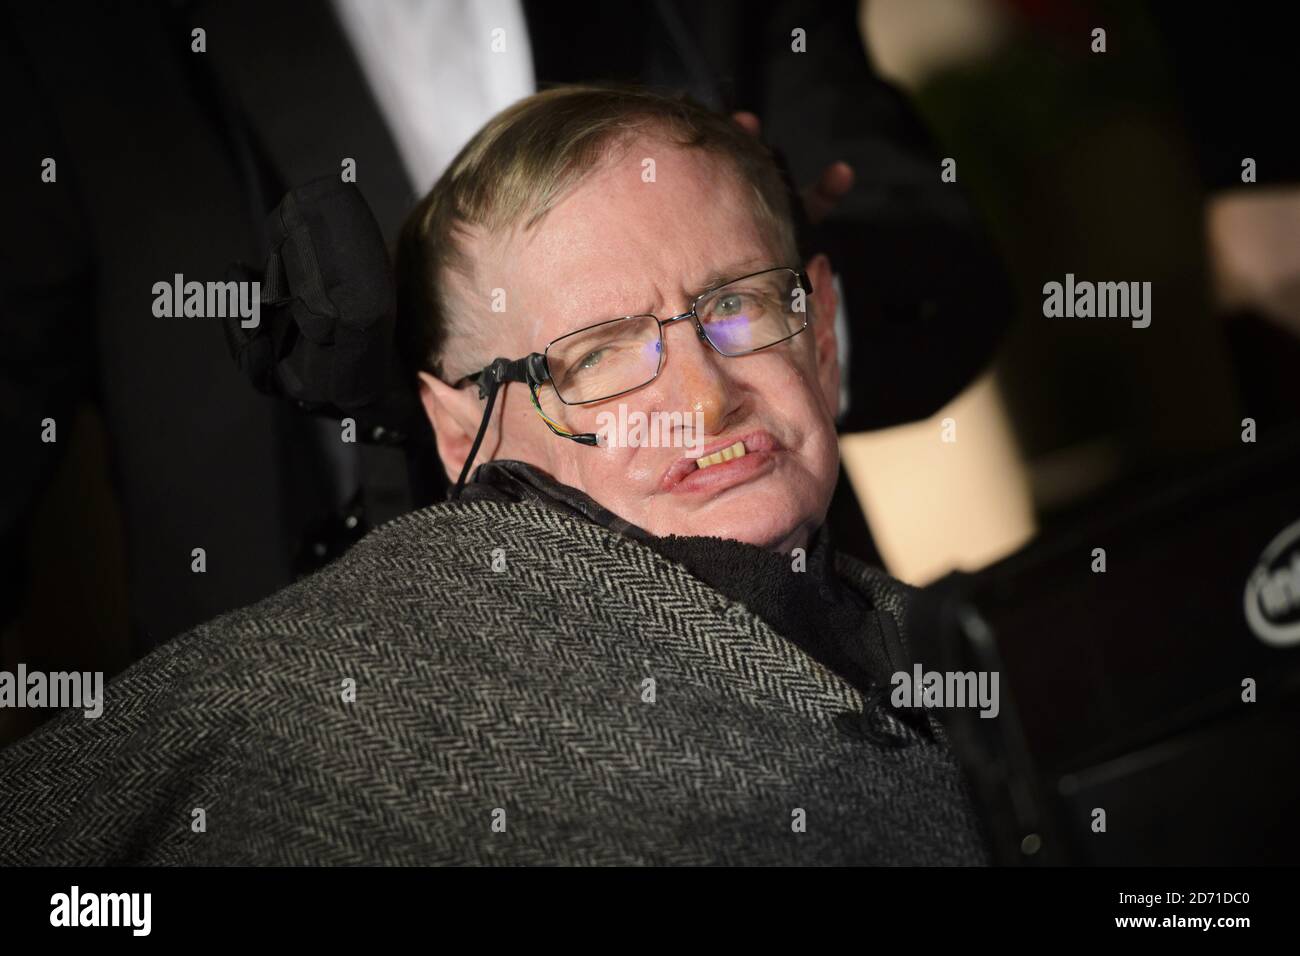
x=489, y=381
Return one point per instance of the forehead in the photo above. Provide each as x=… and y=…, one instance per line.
x=644, y=233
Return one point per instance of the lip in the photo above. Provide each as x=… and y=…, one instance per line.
x=685, y=477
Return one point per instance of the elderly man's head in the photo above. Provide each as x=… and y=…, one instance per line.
x=579, y=206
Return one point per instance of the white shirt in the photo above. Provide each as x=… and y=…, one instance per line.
x=439, y=69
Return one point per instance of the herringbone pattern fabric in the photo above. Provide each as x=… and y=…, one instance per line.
x=476, y=689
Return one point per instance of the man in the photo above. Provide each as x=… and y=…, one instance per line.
x=170, y=153
x=598, y=653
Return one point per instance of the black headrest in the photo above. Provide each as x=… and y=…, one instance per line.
x=328, y=304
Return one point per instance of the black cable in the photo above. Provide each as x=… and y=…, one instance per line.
x=493, y=386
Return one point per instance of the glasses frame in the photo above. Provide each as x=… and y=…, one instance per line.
x=800, y=276
x=534, y=369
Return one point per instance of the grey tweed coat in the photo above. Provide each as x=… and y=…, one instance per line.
x=500, y=716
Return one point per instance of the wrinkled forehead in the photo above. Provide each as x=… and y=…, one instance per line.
x=655, y=225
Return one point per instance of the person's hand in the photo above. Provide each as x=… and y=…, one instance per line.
x=822, y=196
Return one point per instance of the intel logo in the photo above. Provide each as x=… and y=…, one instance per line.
x=1273, y=591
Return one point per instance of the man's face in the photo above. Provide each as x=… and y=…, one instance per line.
x=618, y=245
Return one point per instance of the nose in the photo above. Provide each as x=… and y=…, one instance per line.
x=693, y=378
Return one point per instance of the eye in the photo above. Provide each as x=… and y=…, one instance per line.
x=730, y=304
x=590, y=360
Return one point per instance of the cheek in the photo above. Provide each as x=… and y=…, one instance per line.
x=579, y=466
x=789, y=386
x=619, y=466
x=797, y=398
x=615, y=477
x=524, y=436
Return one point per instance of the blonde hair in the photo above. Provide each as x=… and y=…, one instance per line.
x=522, y=163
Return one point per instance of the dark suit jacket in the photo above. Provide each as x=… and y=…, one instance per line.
x=168, y=160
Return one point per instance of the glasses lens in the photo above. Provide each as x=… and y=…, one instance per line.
x=606, y=359
x=754, y=312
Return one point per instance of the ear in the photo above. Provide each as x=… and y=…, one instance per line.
x=455, y=415
x=824, y=307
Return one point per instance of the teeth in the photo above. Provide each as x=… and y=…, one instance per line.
x=735, y=451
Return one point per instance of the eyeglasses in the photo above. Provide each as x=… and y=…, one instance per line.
x=617, y=356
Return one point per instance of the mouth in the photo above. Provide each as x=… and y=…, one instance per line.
x=723, y=464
